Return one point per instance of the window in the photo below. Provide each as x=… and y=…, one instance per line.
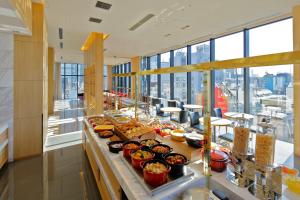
x=180, y=79
x=153, y=78
x=271, y=88
x=165, y=78
x=105, y=80
x=229, y=83
x=144, y=78
x=199, y=53
x=72, y=77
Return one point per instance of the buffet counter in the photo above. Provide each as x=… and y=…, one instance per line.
x=113, y=177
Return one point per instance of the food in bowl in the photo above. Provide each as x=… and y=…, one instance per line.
x=165, y=132
x=194, y=139
x=155, y=172
x=160, y=149
x=178, y=135
x=130, y=146
x=175, y=159
x=115, y=146
x=149, y=142
x=140, y=156
x=106, y=134
x=177, y=162
x=155, y=168
x=293, y=184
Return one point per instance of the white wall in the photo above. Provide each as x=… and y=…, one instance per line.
x=6, y=85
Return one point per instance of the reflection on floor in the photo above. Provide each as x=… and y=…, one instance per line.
x=64, y=127
x=60, y=174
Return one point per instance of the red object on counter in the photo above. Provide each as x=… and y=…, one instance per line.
x=219, y=160
x=127, y=151
x=155, y=179
x=136, y=163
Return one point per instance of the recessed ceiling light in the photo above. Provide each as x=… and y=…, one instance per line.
x=141, y=22
x=103, y=5
x=61, y=45
x=96, y=20
x=168, y=35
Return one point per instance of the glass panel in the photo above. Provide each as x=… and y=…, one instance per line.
x=71, y=69
x=153, y=78
x=271, y=96
x=271, y=88
x=229, y=83
x=80, y=69
x=180, y=79
x=62, y=69
x=200, y=53
x=165, y=78
x=63, y=87
x=272, y=38
x=143, y=84
x=71, y=87
x=80, y=84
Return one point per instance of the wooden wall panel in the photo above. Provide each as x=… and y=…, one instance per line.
x=30, y=87
x=296, y=28
x=27, y=137
x=135, y=67
x=50, y=80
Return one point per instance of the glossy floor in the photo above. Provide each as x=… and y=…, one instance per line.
x=65, y=125
x=60, y=174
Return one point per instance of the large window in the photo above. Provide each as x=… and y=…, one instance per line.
x=105, y=80
x=153, y=78
x=199, y=53
x=180, y=79
x=143, y=79
x=72, y=77
x=271, y=88
x=229, y=83
x=165, y=78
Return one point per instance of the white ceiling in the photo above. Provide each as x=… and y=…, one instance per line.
x=206, y=18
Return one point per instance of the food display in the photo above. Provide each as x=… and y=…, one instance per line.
x=240, y=141
x=139, y=156
x=95, y=121
x=160, y=150
x=149, y=142
x=165, y=132
x=100, y=128
x=264, y=151
x=115, y=146
x=112, y=112
x=155, y=172
x=178, y=135
x=132, y=129
x=293, y=184
x=122, y=119
x=177, y=162
x=129, y=146
x=106, y=134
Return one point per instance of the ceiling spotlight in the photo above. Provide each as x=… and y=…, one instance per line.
x=103, y=5
x=95, y=20
x=60, y=33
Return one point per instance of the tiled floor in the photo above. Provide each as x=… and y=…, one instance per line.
x=60, y=174
x=65, y=125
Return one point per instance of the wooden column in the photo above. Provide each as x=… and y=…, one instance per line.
x=135, y=67
x=109, y=77
x=29, y=85
x=93, y=58
x=296, y=28
x=50, y=80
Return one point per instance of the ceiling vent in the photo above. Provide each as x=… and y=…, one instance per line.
x=141, y=22
x=103, y=5
x=60, y=33
x=96, y=20
x=61, y=45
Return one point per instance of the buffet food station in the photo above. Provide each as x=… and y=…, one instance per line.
x=140, y=156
